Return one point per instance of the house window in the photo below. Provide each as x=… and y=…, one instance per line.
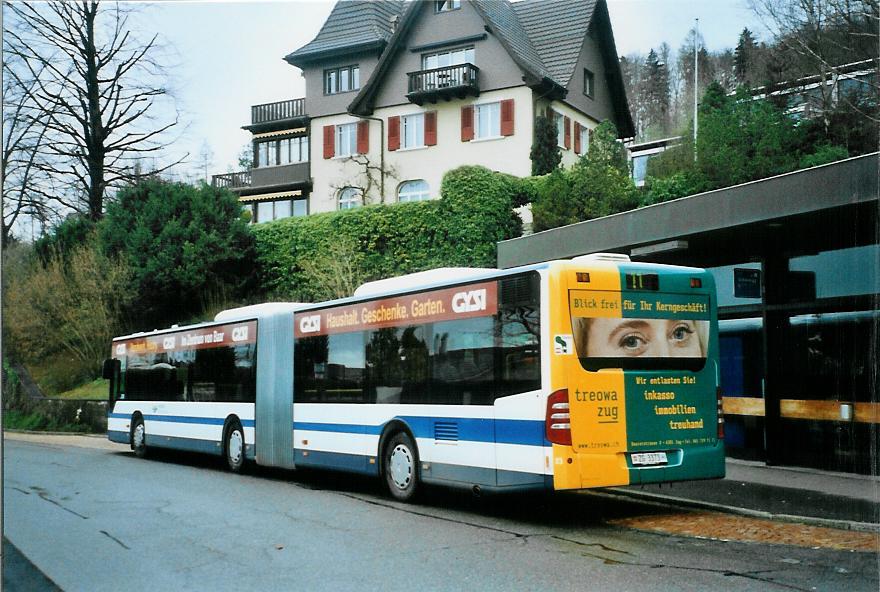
x=346, y=139
x=585, y=140
x=293, y=150
x=589, y=81
x=446, y=5
x=416, y=190
x=340, y=80
x=413, y=135
x=560, y=129
x=349, y=198
x=266, y=211
x=488, y=124
x=452, y=57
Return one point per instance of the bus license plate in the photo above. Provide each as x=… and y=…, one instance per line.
x=648, y=458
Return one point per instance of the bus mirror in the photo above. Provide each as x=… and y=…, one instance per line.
x=107, y=370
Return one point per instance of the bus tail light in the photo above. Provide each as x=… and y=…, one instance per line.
x=720, y=412
x=558, y=420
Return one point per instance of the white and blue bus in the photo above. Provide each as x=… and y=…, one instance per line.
x=535, y=377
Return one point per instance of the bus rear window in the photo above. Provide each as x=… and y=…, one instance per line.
x=633, y=331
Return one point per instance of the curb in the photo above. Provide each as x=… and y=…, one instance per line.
x=669, y=500
x=45, y=433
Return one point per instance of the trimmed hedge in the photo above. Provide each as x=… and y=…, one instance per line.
x=460, y=229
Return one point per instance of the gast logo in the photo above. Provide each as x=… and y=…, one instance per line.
x=120, y=349
x=240, y=333
x=310, y=324
x=168, y=343
x=469, y=301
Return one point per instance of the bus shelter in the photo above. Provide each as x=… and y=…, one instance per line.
x=795, y=259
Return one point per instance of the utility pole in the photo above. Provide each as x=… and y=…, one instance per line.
x=696, y=81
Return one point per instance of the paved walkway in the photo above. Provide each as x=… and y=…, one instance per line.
x=821, y=498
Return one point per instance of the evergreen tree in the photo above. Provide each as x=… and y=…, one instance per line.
x=545, y=152
x=745, y=59
x=656, y=94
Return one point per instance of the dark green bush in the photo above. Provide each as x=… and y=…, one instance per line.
x=182, y=243
x=74, y=231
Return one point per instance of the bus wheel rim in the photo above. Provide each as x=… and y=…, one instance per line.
x=235, y=446
x=139, y=435
x=400, y=465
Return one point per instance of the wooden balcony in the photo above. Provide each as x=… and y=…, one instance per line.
x=447, y=83
x=232, y=180
x=278, y=111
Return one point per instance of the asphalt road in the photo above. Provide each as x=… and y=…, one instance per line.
x=96, y=519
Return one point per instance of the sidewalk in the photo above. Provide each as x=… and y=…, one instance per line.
x=822, y=498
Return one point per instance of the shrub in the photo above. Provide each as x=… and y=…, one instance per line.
x=73, y=232
x=823, y=155
x=545, y=153
x=300, y=258
x=73, y=306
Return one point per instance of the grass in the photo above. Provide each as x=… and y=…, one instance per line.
x=59, y=373
x=97, y=389
x=18, y=420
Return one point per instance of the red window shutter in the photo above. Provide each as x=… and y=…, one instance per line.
x=567, y=124
x=363, y=137
x=467, y=123
x=329, y=136
x=577, y=137
x=431, y=128
x=393, y=133
x=507, y=117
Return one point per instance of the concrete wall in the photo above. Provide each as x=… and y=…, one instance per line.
x=317, y=103
x=600, y=107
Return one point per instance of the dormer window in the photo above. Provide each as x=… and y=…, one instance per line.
x=340, y=80
x=446, y=5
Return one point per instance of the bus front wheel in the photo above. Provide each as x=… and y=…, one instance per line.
x=234, y=447
x=139, y=437
x=401, y=464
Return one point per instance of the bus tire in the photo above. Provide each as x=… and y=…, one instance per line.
x=138, y=437
x=401, y=467
x=233, y=446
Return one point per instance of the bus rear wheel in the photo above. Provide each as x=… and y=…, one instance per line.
x=401, y=467
x=234, y=447
x=139, y=437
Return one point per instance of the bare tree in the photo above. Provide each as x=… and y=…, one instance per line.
x=23, y=138
x=372, y=178
x=97, y=90
x=820, y=36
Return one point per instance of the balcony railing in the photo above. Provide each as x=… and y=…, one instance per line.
x=448, y=82
x=278, y=111
x=232, y=180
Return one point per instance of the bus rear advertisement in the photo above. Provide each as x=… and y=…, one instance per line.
x=564, y=375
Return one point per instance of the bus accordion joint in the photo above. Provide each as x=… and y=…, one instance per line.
x=558, y=420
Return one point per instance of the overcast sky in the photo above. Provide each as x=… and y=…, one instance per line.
x=227, y=56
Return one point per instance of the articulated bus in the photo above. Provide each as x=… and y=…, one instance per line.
x=573, y=374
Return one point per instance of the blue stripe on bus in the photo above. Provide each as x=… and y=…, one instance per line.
x=507, y=431
x=245, y=423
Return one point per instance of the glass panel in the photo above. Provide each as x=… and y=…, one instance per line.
x=520, y=335
x=429, y=62
x=725, y=287
x=282, y=209
x=263, y=154
x=345, y=368
x=344, y=80
x=331, y=82
x=413, y=191
x=463, y=362
x=469, y=55
x=285, y=151
x=264, y=211
x=398, y=361
x=304, y=149
x=844, y=272
x=355, y=78
x=443, y=60
x=300, y=207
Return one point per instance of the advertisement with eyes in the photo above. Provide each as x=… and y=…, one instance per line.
x=652, y=347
